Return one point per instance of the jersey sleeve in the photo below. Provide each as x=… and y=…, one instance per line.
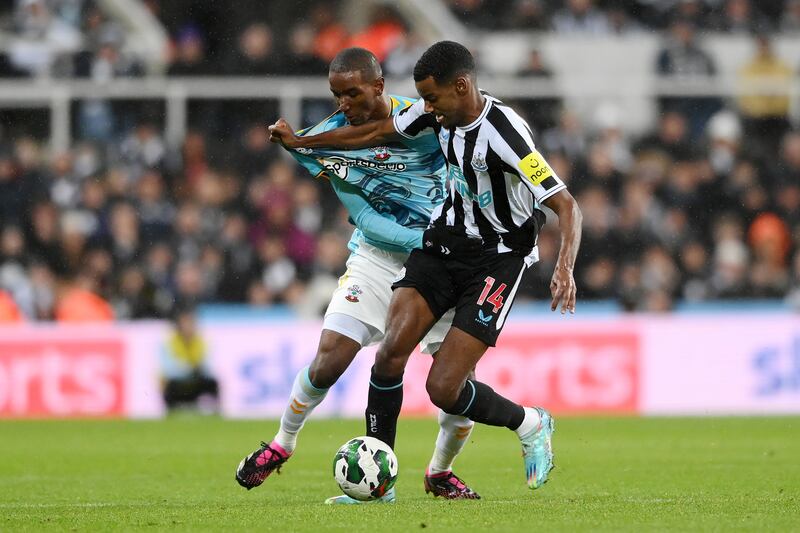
x=413, y=120
x=514, y=144
x=311, y=164
x=375, y=227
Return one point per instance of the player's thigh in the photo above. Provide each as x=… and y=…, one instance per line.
x=432, y=341
x=487, y=297
x=409, y=320
x=365, y=290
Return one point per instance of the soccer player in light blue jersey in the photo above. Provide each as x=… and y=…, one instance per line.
x=390, y=193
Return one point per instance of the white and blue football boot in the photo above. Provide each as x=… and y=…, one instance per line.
x=537, y=450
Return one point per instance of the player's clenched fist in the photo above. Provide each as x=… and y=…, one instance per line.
x=282, y=133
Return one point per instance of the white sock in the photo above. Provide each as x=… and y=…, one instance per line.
x=530, y=422
x=454, y=433
x=304, y=398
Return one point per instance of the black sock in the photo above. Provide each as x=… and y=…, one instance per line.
x=480, y=403
x=383, y=407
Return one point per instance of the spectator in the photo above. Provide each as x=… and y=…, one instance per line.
x=331, y=35
x=619, y=20
x=693, y=11
x=790, y=18
x=567, y=137
x=189, y=55
x=731, y=259
x=787, y=167
x=254, y=55
x=383, y=34
x=770, y=241
x=9, y=312
x=188, y=379
x=765, y=110
x=738, y=16
x=682, y=58
x=401, y=60
x=478, y=12
x=581, y=17
x=527, y=15
x=256, y=152
x=79, y=302
x=535, y=67
x=302, y=60
x=43, y=38
x=694, y=265
x=724, y=133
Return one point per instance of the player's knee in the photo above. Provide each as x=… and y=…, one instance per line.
x=390, y=361
x=442, y=394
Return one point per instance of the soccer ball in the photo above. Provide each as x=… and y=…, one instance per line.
x=365, y=468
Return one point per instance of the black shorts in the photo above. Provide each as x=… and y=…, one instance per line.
x=482, y=291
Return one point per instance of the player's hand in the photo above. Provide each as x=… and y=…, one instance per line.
x=562, y=288
x=282, y=133
x=448, y=242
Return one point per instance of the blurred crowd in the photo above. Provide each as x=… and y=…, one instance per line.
x=147, y=229
x=705, y=206
x=608, y=17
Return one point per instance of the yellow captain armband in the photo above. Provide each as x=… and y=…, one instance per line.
x=535, y=168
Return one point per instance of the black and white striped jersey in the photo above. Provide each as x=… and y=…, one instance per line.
x=497, y=178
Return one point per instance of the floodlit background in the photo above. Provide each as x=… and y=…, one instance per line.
x=146, y=219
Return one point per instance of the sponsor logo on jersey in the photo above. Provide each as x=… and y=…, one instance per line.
x=339, y=166
x=484, y=199
x=535, y=168
x=382, y=153
x=304, y=151
x=354, y=291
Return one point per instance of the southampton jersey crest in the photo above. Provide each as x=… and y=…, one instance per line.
x=381, y=153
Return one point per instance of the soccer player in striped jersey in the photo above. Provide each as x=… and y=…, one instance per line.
x=498, y=181
x=390, y=193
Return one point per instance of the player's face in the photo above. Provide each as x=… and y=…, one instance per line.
x=357, y=98
x=443, y=100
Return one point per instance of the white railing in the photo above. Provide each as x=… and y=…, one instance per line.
x=57, y=95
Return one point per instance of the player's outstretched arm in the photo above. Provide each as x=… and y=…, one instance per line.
x=442, y=241
x=570, y=220
x=372, y=133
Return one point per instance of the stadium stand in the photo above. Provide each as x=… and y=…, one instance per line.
x=694, y=199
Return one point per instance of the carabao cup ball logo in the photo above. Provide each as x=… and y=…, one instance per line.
x=365, y=468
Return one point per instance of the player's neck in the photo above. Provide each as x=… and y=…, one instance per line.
x=383, y=109
x=475, y=105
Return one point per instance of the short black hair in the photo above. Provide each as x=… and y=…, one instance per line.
x=444, y=61
x=357, y=60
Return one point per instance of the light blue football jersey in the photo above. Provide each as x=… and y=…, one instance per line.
x=403, y=181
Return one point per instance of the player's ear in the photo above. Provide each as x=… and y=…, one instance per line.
x=462, y=85
x=378, y=85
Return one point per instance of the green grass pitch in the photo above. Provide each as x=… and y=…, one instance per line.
x=629, y=474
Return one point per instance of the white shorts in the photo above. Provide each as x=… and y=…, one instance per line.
x=364, y=293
